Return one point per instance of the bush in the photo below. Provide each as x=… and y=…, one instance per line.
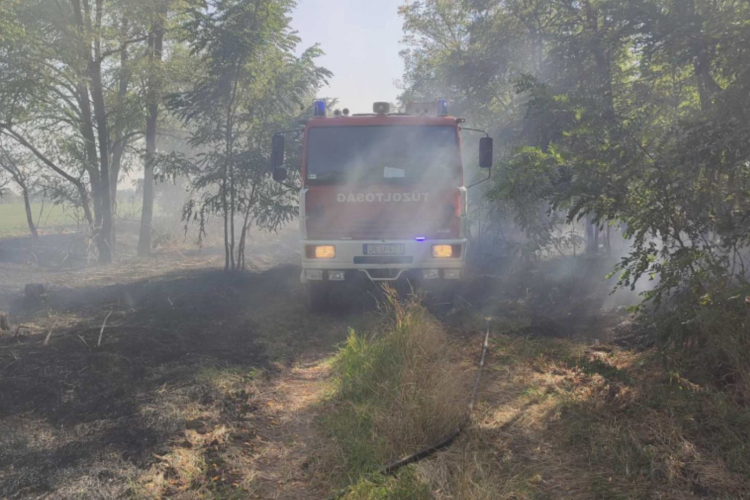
x=397, y=389
x=707, y=338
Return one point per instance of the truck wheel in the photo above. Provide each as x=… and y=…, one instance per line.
x=317, y=296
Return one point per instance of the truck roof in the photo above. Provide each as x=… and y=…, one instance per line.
x=375, y=119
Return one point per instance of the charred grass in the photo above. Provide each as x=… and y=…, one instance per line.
x=176, y=401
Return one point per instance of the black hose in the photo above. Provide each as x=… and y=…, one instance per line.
x=446, y=441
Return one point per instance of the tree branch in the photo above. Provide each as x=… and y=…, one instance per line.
x=25, y=143
x=122, y=46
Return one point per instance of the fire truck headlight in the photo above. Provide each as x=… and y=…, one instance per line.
x=325, y=252
x=442, y=251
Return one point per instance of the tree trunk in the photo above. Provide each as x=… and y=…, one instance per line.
x=20, y=180
x=608, y=240
x=147, y=211
x=89, y=139
x=119, y=142
x=592, y=237
x=229, y=173
x=156, y=40
x=707, y=86
x=243, y=235
x=87, y=120
x=100, y=116
x=94, y=66
x=29, y=215
x=226, y=220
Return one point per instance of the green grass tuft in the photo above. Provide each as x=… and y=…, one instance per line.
x=397, y=390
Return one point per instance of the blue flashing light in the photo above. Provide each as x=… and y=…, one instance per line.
x=420, y=238
x=319, y=108
x=442, y=107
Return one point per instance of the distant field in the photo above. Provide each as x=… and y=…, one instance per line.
x=13, y=217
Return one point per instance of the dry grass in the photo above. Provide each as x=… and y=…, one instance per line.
x=712, y=345
x=398, y=389
x=561, y=419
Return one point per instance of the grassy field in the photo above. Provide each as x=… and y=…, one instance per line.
x=47, y=216
x=13, y=218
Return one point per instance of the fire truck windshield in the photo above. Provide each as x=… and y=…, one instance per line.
x=382, y=155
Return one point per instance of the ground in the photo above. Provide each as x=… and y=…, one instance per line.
x=166, y=377
x=191, y=365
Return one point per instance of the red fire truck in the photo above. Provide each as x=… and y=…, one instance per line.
x=382, y=196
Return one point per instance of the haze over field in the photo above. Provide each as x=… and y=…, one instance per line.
x=548, y=297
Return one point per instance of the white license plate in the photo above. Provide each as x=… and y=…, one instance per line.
x=384, y=249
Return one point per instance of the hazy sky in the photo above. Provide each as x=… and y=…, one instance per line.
x=361, y=41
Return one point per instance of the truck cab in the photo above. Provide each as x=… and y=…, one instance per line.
x=382, y=196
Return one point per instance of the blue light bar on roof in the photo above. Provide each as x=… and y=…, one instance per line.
x=420, y=238
x=319, y=108
x=442, y=107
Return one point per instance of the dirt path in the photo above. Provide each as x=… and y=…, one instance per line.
x=286, y=464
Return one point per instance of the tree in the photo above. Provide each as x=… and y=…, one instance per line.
x=610, y=111
x=251, y=84
x=631, y=112
x=154, y=85
x=66, y=77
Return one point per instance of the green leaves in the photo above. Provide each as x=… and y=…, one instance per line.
x=627, y=112
x=251, y=84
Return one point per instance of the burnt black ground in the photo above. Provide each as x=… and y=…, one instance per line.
x=81, y=420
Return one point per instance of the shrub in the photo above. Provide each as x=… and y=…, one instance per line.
x=397, y=388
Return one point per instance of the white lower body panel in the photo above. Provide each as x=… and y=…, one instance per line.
x=350, y=256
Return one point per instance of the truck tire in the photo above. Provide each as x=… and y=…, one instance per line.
x=318, y=296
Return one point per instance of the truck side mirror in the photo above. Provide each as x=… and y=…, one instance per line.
x=279, y=174
x=277, y=152
x=485, y=152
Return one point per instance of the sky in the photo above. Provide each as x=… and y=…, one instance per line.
x=361, y=40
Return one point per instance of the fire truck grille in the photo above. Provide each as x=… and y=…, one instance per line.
x=383, y=259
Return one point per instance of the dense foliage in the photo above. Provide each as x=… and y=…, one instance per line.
x=626, y=112
x=84, y=86
x=70, y=96
x=250, y=85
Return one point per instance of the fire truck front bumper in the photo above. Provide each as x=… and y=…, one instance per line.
x=344, y=260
